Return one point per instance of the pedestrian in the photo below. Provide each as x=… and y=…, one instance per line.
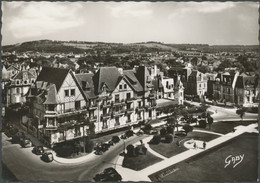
x=178, y=143
x=204, y=145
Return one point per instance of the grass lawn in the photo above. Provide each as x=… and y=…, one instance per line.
x=171, y=149
x=226, y=127
x=209, y=165
x=140, y=162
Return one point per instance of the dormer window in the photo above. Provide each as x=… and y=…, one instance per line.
x=25, y=82
x=17, y=82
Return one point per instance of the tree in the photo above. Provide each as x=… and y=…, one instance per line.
x=172, y=121
x=163, y=132
x=168, y=138
x=202, y=123
x=156, y=139
x=187, y=128
x=130, y=150
x=241, y=113
x=210, y=121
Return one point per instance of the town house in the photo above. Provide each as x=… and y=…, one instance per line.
x=58, y=106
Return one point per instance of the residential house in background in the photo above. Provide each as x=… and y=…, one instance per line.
x=224, y=87
x=246, y=90
x=17, y=88
x=196, y=84
x=210, y=82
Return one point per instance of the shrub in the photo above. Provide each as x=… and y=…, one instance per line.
x=64, y=151
x=170, y=129
x=202, y=123
x=156, y=139
x=115, y=139
x=187, y=128
x=140, y=150
x=147, y=128
x=129, y=133
x=168, y=138
x=89, y=146
x=163, y=132
x=130, y=150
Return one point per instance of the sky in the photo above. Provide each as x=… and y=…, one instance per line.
x=214, y=23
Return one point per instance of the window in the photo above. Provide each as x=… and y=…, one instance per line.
x=150, y=114
x=167, y=84
x=18, y=82
x=51, y=107
x=120, y=87
x=66, y=93
x=51, y=122
x=17, y=90
x=125, y=86
x=77, y=105
x=25, y=82
x=72, y=92
x=128, y=106
x=129, y=118
x=32, y=81
x=139, y=103
x=117, y=98
x=128, y=95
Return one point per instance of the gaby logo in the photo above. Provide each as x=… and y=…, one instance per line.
x=233, y=160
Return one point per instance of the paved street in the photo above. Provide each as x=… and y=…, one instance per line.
x=31, y=168
x=27, y=166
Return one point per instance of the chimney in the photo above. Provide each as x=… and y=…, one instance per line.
x=120, y=70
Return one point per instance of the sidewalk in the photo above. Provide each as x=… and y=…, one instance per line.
x=142, y=175
x=189, y=153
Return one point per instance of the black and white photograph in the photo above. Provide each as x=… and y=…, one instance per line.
x=129, y=91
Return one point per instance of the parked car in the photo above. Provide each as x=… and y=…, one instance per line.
x=26, y=142
x=38, y=150
x=123, y=136
x=47, y=157
x=109, y=174
x=153, y=132
x=18, y=137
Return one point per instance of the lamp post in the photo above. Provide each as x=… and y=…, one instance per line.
x=124, y=146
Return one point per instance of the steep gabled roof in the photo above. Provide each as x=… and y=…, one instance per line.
x=132, y=80
x=53, y=75
x=244, y=81
x=20, y=75
x=85, y=81
x=51, y=95
x=110, y=76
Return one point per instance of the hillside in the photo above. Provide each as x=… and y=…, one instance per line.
x=76, y=47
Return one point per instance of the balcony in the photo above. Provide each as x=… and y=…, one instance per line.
x=93, y=118
x=50, y=113
x=93, y=106
x=151, y=96
x=129, y=111
x=71, y=112
x=119, y=113
x=51, y=127
x=106, y=104
x=129, y=100
x=104, y=126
